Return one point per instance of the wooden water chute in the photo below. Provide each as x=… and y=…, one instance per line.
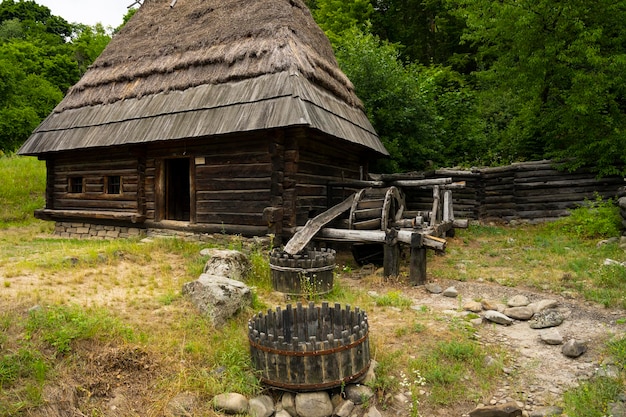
x=378, y=215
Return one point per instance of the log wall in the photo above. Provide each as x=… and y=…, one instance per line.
x=531, y=191
x=93, y=172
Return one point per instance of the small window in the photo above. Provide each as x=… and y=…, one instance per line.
x=76, y=185
x=114, y=184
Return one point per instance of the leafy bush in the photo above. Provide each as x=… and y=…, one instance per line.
x=595, y=219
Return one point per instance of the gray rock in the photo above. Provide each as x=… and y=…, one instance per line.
x=518, y=301
x=510, y=409
x=218, y=297
x=433, y=288
x=261, y=406
x=546, y=411
x=313, y=404
x=282, y=413
x=551, y=337
x=289, y=403
x=543, y=305
x=230, y=403
x=358, y=393
x=372, y=412
x=519, y=313
x=573, y=348
x=227, y=263
x=546, y=318
x=497, y=317
x=344, y=409
x=608, y=371
x=473, y=306
x=450, y=292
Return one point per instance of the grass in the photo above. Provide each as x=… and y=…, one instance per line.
x=23, y=187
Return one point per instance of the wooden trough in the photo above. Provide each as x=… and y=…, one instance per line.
x=309, y=348
x=308, y=273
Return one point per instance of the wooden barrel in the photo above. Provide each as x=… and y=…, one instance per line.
x=309, y=273
x=309, y=348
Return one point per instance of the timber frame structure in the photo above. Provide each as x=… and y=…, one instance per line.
x=209, y=116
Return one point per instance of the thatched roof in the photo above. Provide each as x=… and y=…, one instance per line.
x=194, y=69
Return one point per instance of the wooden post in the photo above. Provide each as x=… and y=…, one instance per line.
x=434, y=214
x=417, y=263
x=391, y=261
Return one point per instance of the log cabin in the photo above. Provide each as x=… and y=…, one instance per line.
x=208, y=116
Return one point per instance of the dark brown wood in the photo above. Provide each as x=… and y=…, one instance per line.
x=391, y=262
x=304, y=235
x=417, y=266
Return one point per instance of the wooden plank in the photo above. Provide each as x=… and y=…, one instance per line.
x=304, y=236
x=417, y=266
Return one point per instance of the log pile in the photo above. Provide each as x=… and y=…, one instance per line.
x=531, y=191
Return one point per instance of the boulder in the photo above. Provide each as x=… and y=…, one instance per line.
x=218, y=297
x=450, y=292
x=543, y=305
x=433, y=288
x=344, y=409
x=358, y=393
x=551, y=337
x=473, y=306
x=227, y=263
x=288, y=401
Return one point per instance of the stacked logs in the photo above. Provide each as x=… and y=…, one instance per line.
x=309, y=348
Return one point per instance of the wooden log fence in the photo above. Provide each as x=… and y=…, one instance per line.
x=529, y=191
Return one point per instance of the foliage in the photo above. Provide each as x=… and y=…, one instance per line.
x=41, y=57
x=62, y=326
x=23, y=182
x=595, y=219
x=590, y=399
x=552, y=77
x=393, y=299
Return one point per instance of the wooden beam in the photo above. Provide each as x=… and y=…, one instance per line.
x=421, y=183
x=391, y=255
x=304, y=235
x=417, y=266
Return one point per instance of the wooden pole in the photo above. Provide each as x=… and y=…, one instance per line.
x=391, y=260
x=417, y=266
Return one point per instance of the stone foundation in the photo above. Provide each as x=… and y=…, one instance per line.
x=75, y=230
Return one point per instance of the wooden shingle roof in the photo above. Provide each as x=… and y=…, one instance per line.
x=204, y=68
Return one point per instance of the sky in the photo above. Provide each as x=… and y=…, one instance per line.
x=89, y=12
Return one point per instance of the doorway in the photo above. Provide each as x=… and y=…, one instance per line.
x=177, y=189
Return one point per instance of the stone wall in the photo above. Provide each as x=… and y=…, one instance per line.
x=79, y=230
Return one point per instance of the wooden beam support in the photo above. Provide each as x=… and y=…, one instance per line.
x=417, y=266
x=391, y=260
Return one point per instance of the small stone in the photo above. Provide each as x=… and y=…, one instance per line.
x=476, y=322
x=519, y=313
x=497, y=317
x=313, y=404
x=289, y=403
x=344, y=409
x=433, y=288
x=551, y=337
x=358, y=393
x=509, y=409
x=370, y=375
x=518, y=301
x=617, y=409
x=546, y=318
x=182, y=404
x=261, y=406
x=546, y=411
x=489, y=305
x=450, y=292
x=473, y=306
x=543, y=305
x=573, y=349
x=282, y=413
x=400, y=400
x=372, y=412
x=230, y=403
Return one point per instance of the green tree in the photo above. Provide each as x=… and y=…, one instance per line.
x=553, y=78
x=337, y=16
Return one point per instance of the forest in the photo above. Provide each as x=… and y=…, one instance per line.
x=446, y=83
